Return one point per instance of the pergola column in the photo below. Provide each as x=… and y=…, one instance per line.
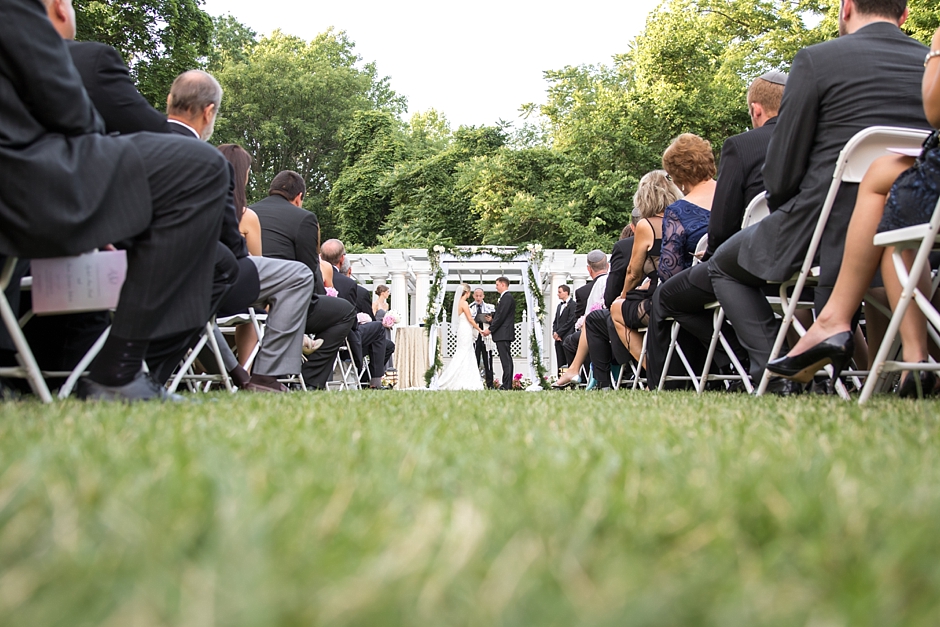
x=422, y=292
x=399, y=294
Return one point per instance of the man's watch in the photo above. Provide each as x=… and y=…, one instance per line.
x=931, y=55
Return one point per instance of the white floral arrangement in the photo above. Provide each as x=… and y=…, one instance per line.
x=391, y=319
x=363, y=318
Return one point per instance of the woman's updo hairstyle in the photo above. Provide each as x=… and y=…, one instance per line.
x=654, y=193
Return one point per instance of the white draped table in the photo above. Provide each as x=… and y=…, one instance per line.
x=411, y=357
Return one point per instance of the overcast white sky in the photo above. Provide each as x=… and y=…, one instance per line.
x=475, y=62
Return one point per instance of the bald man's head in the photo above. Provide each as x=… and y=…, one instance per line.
x=194, y=99
x=333, y=250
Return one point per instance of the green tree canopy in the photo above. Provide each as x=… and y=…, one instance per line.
x=159, y=39
x=286, y=101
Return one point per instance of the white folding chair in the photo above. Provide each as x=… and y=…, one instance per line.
x=228, y=324
x=923, y=238
x=348, y=375
x=755, y=211
x=854, y=160
x=28, y=368
x=186, y=372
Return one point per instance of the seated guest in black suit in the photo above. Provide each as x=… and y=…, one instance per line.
x=106, y=189
x=685, y=295
x=368, y=337
x=192, y=105
x=870, y=75
x=910, y=192
x=290, y=232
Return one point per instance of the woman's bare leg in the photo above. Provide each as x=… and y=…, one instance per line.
x=913, y=327
x=245, y=341
x=579, y=358
x=861, y=256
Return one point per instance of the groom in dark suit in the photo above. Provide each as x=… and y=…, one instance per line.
x=871, y=75
x=503, y=329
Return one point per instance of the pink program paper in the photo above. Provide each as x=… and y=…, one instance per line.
x=90, y=282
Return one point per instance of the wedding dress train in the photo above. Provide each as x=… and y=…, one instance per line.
x=462, y=373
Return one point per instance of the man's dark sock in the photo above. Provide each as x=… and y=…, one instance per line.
x=239, y=376
x=118, y=362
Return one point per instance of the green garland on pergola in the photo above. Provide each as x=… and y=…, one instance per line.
x=532, y=256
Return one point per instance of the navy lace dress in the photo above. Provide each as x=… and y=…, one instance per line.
x=684, y=224
x=914, y=194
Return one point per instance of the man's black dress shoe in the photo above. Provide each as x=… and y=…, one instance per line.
x=784, y=387
x=141, y=388
x=836, y=350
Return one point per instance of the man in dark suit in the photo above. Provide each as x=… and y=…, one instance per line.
x=366, y=338
x=870, y=75
x=684, y=296
x=563, y=324
x=290, y=232
x=69, y=188
x=503, y=329
x=283, y=286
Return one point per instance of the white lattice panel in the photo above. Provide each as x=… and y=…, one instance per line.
x=451, y=344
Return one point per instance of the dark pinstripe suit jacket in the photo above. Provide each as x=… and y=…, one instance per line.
x=83, y=187
x=835, y=89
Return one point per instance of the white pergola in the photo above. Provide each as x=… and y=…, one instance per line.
x=407, y=273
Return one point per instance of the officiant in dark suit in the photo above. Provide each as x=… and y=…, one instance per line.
x=503, y=329
x=563, y=324
x=482, y=313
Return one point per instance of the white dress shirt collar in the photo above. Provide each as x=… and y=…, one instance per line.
x=186, y=126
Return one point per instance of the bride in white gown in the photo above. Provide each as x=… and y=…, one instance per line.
x=462, y=373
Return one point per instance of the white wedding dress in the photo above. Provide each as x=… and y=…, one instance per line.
x=462, y=373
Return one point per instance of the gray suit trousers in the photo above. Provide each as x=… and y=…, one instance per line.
x=286, y=286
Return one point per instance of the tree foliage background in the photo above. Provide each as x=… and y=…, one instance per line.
x=563, y=174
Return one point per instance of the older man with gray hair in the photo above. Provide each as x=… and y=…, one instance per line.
x=193, y=102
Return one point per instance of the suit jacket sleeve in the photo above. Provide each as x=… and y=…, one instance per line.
x=364, y=301
x=566, y=324
x=34, y=58
x=729, y=203
x=307, y=249
x=619, y=261
x=112, y=91
x=792, y=142
x=505, y=311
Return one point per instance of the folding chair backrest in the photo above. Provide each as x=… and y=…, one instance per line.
x=700, y=249
x=873, y=142
x=756, y=211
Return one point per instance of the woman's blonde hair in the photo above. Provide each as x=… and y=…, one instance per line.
x=689, y=160
x=654, y=193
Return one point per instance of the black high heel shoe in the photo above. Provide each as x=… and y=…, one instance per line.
x=908, y=387
x=836, y=350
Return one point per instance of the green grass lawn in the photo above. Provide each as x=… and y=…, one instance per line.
x=411, y=508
